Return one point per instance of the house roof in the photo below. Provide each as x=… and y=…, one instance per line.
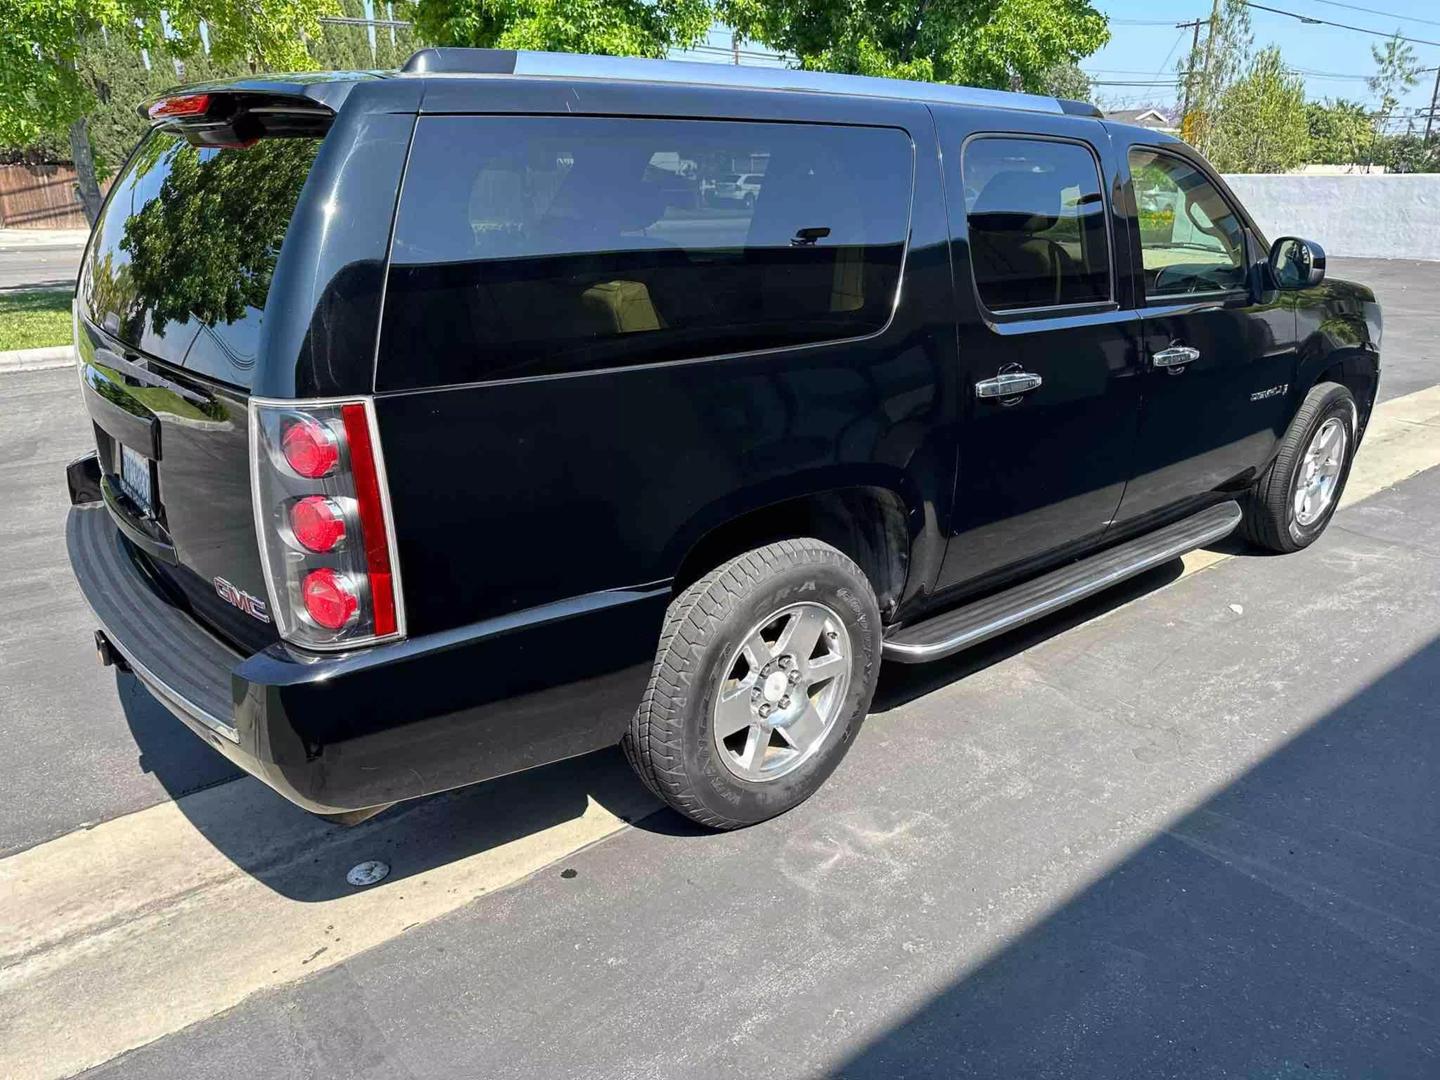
x=1151, y=118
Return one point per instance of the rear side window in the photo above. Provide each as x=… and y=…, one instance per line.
x=539, y=245
x=1036, y=220
x=182, y=259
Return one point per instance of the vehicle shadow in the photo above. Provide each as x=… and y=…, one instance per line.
x=1285, y=927
x=305, y=857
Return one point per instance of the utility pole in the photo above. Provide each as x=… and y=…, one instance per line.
x=735, y=47
x=1434, y=102
x=1194, y=25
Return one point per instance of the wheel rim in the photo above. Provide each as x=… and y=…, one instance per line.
x=782, y=691
x=1318, y=478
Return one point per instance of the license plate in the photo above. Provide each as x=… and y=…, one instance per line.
x=135, y=478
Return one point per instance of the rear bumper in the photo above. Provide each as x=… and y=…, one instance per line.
x=338, y=733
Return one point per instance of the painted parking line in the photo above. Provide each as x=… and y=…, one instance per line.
x=114, y=936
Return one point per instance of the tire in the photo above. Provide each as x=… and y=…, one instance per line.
x=1273, y=520
x=734, y=639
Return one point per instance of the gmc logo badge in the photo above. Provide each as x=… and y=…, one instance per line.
x=237, y=597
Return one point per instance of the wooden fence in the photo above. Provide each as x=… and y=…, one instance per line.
x=39, y=197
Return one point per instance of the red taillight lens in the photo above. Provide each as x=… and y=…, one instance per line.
x=310, y=447
x=329, y=599
x=317, y=523
x=372, y=517
x=182, y=105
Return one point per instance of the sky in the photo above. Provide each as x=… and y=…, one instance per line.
x=1141, y=50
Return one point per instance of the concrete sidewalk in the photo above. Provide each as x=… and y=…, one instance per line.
x=52, y=356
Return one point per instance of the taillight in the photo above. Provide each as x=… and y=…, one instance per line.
x=322, y=518
x=317, y=522
x=310, y=447
x=330, y=599
x=170, y=108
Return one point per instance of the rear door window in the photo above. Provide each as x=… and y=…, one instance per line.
x=540, y=245
x=182, y=258
x=1036, y=220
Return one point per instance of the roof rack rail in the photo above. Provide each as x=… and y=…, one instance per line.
x=458, y=61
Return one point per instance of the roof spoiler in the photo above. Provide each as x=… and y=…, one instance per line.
x=237, y=115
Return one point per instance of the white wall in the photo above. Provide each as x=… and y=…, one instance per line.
x=1385, y=217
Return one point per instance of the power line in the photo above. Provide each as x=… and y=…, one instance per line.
x=1311, y=20
x=1375, y=11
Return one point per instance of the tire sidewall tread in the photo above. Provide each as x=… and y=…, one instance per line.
x=670, y=741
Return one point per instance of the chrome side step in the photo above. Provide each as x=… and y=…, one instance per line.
x=951, y=631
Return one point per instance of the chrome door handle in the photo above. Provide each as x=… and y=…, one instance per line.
x=1011, y=384
x=1175, y=356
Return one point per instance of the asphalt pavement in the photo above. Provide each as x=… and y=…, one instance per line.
x=52, y=266
x=1188, y=829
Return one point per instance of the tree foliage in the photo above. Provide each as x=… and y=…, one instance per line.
x=1211, y=67
x=611, y=27
x=42, y=88
x=1261, y=124
x=996, y=43
x=1340, y=131
x=1396, y=70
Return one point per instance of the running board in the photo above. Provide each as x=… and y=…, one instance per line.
x=959, y=628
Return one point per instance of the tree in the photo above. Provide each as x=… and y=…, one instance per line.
x=611, y=27
x=1261, y=124
x=1007, y=44
x=1210, y=68
x=343, y=48
x=1408, y=152
x=1068, y=81
x=393, y=44
x=43, y=90
x=1340, y=131
x=1396, y=70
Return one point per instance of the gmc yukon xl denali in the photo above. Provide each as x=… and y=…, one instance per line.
x=447, y=423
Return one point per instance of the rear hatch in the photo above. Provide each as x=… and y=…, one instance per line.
x=170, y=307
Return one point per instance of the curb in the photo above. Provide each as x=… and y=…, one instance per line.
x=54, y=356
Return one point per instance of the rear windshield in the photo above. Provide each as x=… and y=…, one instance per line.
x=540, y=245
x=181, y=263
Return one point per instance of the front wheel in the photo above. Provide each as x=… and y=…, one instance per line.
x=765, y=671
x=1294, y=500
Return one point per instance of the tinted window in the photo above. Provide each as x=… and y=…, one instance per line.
x=1036, y=219
x=183, y=256
x=528, y=245
x=1190, y=239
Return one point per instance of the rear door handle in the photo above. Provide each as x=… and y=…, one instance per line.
x=1011, y=384
x=1175, y=356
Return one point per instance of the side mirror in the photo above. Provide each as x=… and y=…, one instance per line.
x=1297, y=263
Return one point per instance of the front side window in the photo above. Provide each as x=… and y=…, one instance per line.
x=1190, y=239
x=542, y=245
x=1036, y=219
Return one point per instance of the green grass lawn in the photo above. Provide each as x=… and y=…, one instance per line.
x=30, y=320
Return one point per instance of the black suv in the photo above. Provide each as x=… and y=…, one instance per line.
x=428, y=404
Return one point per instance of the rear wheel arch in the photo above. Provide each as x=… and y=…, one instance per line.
x=870, y=525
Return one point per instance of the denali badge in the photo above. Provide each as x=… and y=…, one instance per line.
x=236, y=597
x=1269, y=391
